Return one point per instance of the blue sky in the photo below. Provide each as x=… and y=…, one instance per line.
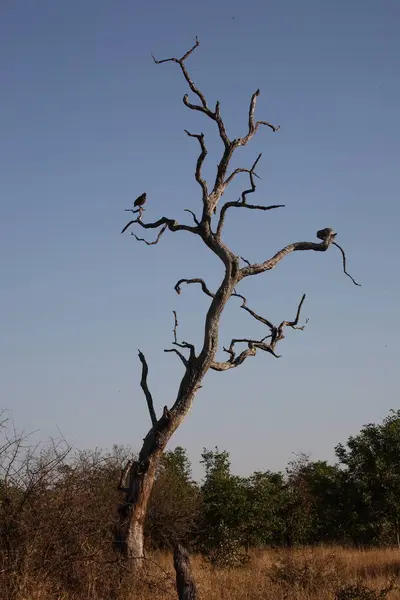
x=88, y=122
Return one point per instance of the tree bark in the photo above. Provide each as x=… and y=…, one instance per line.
x=185, y=584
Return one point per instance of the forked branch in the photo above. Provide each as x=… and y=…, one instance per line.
x=181, y=344
x=276, y=334
x=241, y=203
x=221, y=182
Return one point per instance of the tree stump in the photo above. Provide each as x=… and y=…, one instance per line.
x=185, y=584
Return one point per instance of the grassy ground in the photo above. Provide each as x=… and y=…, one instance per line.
x=308, y=574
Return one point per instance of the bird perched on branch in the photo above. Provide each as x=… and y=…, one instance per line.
x=323, y=234
x=140, y=201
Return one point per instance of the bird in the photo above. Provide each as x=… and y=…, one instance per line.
x=140, y=200
x=323, y=234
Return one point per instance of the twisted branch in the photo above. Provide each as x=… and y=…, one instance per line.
x=204, y=287
x=255, y=269
x=344, y=264
x=202, y=182
x=172, y=225
x=155, y=241
x=145, y=388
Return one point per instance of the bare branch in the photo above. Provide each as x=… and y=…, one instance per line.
x=252, y=313
x=155, y=241
x=176, y=325
x=344, y=264
x=239, y=204
x=204, y=287
x=202, y=182
x=170, y=223
x=181, y=344
x=242, y=203
x=276, y=335
x=181, y=62
x=144, y=386
x=253, y=185
x=183, y=358
x=211, y=201
x=253, y=126
x=234, y=361
x=195, y=219
x=269, y=264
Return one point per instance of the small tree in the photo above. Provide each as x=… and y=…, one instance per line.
x=372, y=466
x=138, y=477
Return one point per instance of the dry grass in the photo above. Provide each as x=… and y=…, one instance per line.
x=307, y=574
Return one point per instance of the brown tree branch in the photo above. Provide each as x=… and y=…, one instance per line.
x=344, y=264
x=251, y=312
x=145, y=388
x=202, y=182
x=276, y=335
x=170, y=223
x=234, y=361
x=245, y=261
x=203, y=284
x=253, y=126
x=195, y=219
x=221, y=181
x=155, y=241
x=269, y=264
x=180, y=62
x=241, y=203
x=183, y=358
x=181, y=344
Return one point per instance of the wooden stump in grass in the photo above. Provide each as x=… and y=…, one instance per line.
x=185, y=584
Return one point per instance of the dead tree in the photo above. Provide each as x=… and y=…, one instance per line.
x=137, y=481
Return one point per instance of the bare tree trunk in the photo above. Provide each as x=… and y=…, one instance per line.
x=138, y=479
x=185, y=584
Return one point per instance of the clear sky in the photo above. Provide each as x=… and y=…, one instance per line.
x=88, y=123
